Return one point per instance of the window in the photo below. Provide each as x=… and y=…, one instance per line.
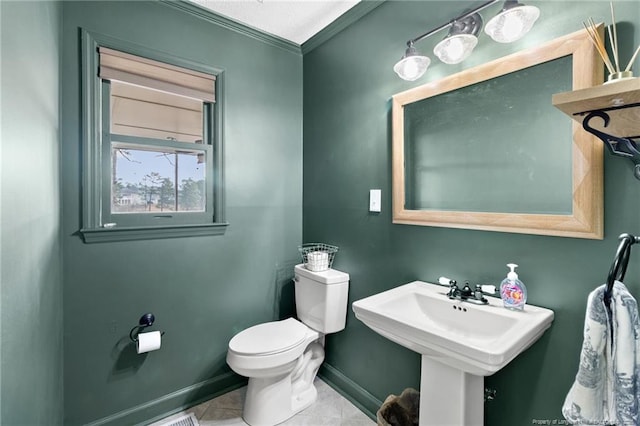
x=153, y=148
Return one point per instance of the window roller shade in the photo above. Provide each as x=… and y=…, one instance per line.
x=116, y=65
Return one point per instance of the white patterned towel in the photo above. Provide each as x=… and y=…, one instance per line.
x=606, y=390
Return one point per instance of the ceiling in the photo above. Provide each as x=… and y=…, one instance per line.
x=293, y=20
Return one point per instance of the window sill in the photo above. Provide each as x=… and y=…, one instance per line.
x=103, y=235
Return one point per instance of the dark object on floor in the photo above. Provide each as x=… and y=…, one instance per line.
x=400, y=410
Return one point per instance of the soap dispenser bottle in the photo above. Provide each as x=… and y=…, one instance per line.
x=512, y=290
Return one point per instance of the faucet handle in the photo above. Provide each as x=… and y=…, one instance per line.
x=447, y=281
x=487, y=288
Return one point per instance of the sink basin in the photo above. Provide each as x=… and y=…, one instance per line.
x=460, y=343
x=476, y=339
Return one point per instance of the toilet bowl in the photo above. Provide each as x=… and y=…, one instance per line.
x=282, y=358
x=268, y=354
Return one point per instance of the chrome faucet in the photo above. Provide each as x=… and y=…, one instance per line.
x=466, y=294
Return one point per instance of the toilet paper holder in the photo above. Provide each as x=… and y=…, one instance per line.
x=145, y=321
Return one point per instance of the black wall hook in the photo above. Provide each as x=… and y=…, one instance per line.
x=620, y=146
x=145, y=321
x=620, y=262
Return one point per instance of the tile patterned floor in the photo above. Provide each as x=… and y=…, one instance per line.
x=330, y=409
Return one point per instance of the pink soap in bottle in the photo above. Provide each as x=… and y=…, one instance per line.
x=512, y=290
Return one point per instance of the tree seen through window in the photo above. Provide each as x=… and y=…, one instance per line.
x=157, y=181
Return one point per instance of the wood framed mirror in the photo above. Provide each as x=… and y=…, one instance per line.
x=485, y=149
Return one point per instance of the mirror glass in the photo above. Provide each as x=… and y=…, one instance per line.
x=482, y=148
x=485, y=148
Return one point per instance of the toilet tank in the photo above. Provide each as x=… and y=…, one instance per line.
x=321, y=298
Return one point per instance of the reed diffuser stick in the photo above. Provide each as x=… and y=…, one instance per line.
x=633, y=58
x=598, y=44
x=614, y=41
x=613, y=48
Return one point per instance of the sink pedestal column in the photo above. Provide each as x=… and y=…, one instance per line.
x=449, y=396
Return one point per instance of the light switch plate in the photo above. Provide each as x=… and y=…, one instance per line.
x=375, y=200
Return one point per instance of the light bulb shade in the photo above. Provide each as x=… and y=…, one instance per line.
x=455, y=49
x=460, y=41
x=412, y=66
x=513, y=22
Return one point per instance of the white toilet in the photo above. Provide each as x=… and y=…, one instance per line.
x=281, y=358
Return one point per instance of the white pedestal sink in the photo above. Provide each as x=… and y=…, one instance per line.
x=460, y=343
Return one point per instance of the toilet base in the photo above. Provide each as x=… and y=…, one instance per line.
x=272, y=400
x=269, y=403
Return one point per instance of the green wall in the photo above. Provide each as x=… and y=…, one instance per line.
x=202, y=290
x=348, y=83
x=205, y=289
x=30, y=244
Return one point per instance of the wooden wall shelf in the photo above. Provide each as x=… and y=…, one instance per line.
x=624, y=122
x=611, y=112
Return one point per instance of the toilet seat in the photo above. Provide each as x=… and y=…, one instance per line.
x=269, y=338
x=269, y=349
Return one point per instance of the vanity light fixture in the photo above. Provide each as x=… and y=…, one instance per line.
x=510, y=24
x=460, y=41
x=513, y=22
x=412, y=65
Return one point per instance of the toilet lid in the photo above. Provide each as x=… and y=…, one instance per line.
x=269, y=338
